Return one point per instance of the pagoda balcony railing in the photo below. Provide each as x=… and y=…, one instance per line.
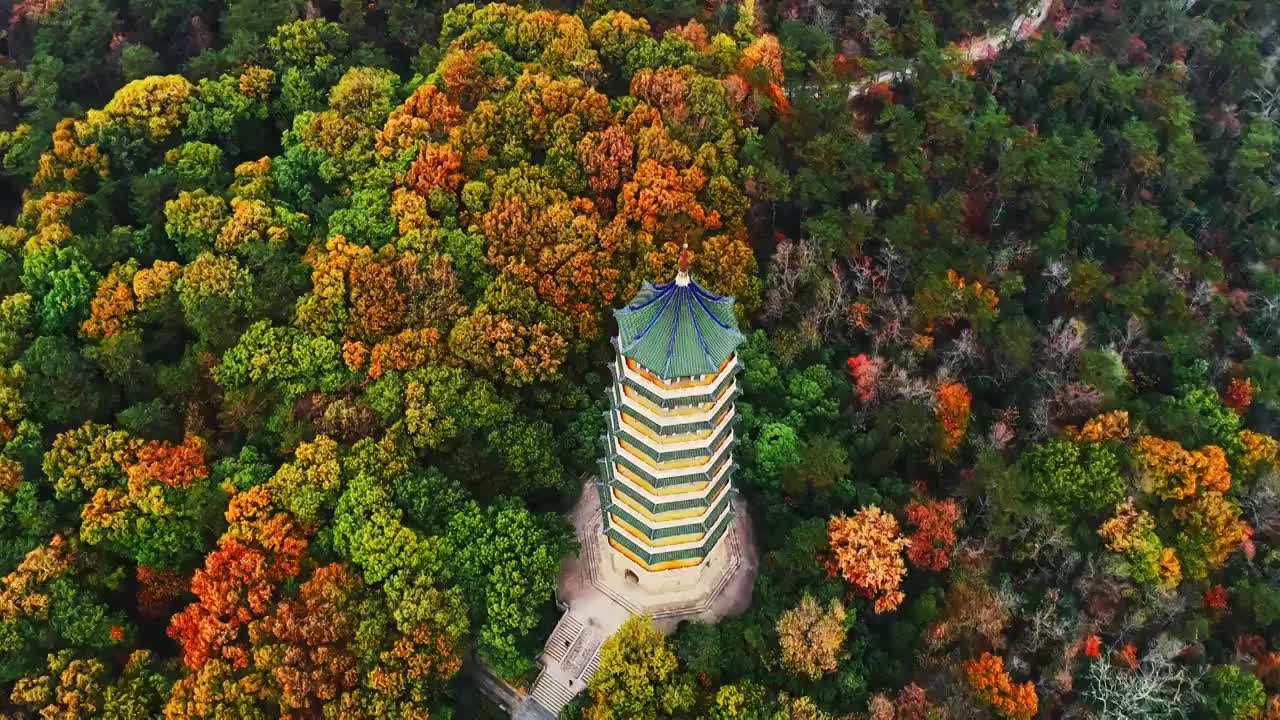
x=664, y=446
x=701, y=501
x=672, y=426
x=668, y=478
x=672, y=386
x=670, y=441
x=675, y=413
x=686, y=510
x=651, y=558
x=701, y=493
x=703, y=456
x=696, y=526
x=664, y=452
x=675, y=410
x=672, y=398
x=636, y=423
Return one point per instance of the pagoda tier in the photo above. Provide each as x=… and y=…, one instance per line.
x=665, y=481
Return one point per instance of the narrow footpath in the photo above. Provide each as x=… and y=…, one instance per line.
x=986, y=47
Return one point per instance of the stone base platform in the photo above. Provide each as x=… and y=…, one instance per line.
x=676, y=594
x=601, y=588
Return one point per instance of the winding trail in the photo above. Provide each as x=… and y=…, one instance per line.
x=986, y=47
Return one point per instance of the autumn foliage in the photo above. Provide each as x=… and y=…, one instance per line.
x=1259, y=452
x=954, y=400
x=305, y=316
x=935, y=523
x=866, y=550
x=1175, y=474
x=1215, y=598
x=911, y=703
x=812, y=637
x=158, y=590
x=1132, y=532
x=239, y=581
x=1211, y=529
x=946, y=298
x=994, y=687
x=1093, y=647
x=1107, y=426
x=1239, y=395
x=866, y=373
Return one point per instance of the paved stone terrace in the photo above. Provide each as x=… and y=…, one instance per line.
x=595, y=607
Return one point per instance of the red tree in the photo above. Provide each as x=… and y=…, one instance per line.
x=157, y=590
x=438, y=167
x=1239, y=395
x=177, y=466
x=306, y=644
x=233, y=588
x=866, y=376
x=1093, y=647
x=935, y=522
x=238, y=583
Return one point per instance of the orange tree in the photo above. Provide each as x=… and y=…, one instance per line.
x=993, y=686
x=866, y=550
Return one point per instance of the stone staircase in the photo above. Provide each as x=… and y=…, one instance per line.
x=570, y=639
x=562, y=637
x=590, y=669
x=596, y=603
x=551, y=695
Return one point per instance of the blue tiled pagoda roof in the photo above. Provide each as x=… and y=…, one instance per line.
x=678, y=329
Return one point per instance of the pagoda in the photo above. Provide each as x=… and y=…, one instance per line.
x=658, y=528
x=665, y=481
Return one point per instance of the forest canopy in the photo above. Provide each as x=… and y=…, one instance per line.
x=305, y=316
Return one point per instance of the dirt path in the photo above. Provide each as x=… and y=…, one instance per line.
x=986, y=47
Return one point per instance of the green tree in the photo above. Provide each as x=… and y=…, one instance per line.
x=1232, y=694
x=368, y=529
x=1073, y=479
x=283, y=359
x=70, y=388
x=217, y=296
x=740, y=701
x=701, y=650
x=776, y=450
x=639, y=677
x=506, y=560
x=430, y=499
x=55, y=600
x=139, y=61
x=78, y=37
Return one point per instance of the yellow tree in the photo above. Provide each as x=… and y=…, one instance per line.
x=811, y=638
x=639, y=676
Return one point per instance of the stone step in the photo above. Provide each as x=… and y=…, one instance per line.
x=551, y=695
x=565, y=632
x=590, y=670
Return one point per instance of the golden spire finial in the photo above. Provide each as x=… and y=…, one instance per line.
x=682, y=277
